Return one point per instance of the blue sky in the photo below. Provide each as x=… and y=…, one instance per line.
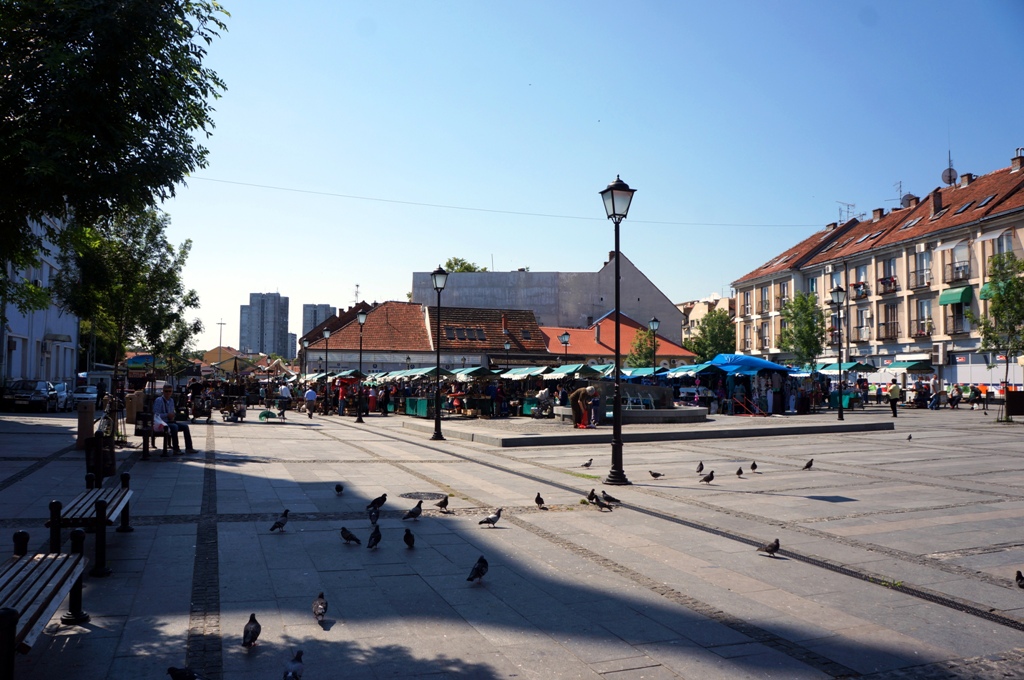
x=359, y=142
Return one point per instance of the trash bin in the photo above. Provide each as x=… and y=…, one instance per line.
x=86, y=414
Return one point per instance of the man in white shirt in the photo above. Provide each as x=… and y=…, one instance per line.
x=285, y=395
x=165, y=407
x=310, y=397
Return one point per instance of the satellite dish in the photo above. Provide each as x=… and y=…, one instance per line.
x=906, y=200
x=949, y=175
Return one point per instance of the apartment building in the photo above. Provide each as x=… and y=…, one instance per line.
x=695, y=310
x=911, y=277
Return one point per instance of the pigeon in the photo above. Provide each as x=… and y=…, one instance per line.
x=588, y=463
x=491, y=520
x=414, y=512
x=374, y=538
x=608, y=498
x=753, y=466
x=349, y=536
x=251, y=632
x=602, y=505
x=770, y=548
x=410, y=540
x=281, y=521
x=708, y=478
x=909, y=437
x=185, y=673
x=540, y=502
x=808, y=464
x=656, y=475
x=1020, y=579
x=739, y=472
x=700, y=467
x=591, y=496
x=294, y=669
x=319, y=608
x=378, y=501
x=443, y=504
x=338, y=488
x=373, y=514
x=479, y=569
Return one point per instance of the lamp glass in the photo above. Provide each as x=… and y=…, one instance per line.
x=617, y=197
x=564, y=338
x=305, y=343
x=327, y=333
x=361, y=317
x=508, y=345
x=439, y=277
x=654, y=324
x=838, y=295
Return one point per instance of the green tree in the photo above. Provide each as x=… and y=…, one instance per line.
x=457, y=264
x=803, y=331
x=1003, y=329
x=716, y=334
x=641, y=353
x=99, y=102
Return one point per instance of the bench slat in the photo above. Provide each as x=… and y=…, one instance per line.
x=39, y=585
x=82, y=509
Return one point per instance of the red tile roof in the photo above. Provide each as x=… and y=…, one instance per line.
x=592, y=343
x=793, y=258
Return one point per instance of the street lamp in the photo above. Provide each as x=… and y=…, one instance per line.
x=838, y=298
x=617, y=197
x=327, y=363
x=564, y=339
x=305, y=352
x=654, y=325
x=439, y=277
x=508, y=346
x=408, y=362
x=361, y=318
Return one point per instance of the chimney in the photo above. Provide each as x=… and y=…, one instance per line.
x=877, y=214
x=966, y=179
x=1017, y=161
x=831, y=225
x=914, y=201
x=936, y=202
x=597, y=334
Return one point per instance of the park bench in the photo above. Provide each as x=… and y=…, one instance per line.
x=95, y=509
x=144, y=429
x=32, y=589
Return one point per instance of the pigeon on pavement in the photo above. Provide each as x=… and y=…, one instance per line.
x=319, y=608
x=588, y=463
x=909, y=437
x=294, y=669
x=251, y=632
x=739, y=472
x=592, y=495
x=410, y=540
x=374, y=538
x=443, y=503
x=656, y=475
x=608, y=498
x=753, y=466
x=602, y=505
x=700, y=467
x=1020, y=579
x=808, y=464
x=479, y=569
x=770, y=548
x=414, y=512
x=281, y=521
x=338, y=488
x=540, y=502
x=708, y=478
x=378, y=501
x=373, y=514
x=349, y=536
x=491, y=520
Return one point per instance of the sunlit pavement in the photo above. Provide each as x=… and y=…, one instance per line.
x=897, y=556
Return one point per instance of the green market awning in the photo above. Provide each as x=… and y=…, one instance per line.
x=956, y=296
x=916, y=367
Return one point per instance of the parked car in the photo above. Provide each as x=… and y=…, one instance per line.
x=64, y=402
x=84, y=393
x=37, y=394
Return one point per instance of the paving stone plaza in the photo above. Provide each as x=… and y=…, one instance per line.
x=897, y=556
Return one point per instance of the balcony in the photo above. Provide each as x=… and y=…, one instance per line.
x=957, y=324
x=888, y=284
x=833, y=337
x=956, y=271
x=861, y=334
x=781, y=302
x=922, y=278
x=766, y=344
x=764, y=306
x=920, y=328
x=746, y=310
x=859, y=290
x=747, y=345
x=889, y=330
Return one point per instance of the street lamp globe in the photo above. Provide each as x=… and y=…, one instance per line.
x=838, y=295
x=439, y=277
x=617, y=197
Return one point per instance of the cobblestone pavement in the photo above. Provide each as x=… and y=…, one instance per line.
x=897, y=555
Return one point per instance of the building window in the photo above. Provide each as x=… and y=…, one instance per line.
x=449, y=332
x=526, y=335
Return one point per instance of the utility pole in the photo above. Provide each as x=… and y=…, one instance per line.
x=220, y=340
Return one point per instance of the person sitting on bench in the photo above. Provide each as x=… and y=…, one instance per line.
x=165, y=408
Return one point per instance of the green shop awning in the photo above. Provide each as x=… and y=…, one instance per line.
x=955, y=296
x=916, y=367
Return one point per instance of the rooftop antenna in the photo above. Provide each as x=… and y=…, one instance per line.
x=903, y=199
x=848, y=209
x=356, y=300
x=949, y=174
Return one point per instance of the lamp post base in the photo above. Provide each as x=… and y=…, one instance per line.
x=616, y=478
x=437, y=437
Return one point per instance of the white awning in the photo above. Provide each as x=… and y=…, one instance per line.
x=991, y=236
x=948, y=245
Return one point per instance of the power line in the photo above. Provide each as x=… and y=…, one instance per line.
x=484, y=210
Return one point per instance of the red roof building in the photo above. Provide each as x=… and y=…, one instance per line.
x=596, y=345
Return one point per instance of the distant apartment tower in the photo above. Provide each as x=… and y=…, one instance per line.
x=293, y=340
x=263, y=324
x=314, y=315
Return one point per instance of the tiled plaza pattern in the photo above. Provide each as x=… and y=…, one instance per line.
x=897, y=556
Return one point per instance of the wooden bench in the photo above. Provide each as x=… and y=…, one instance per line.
x=144, y=429
x=32, y=589
x=94, y=509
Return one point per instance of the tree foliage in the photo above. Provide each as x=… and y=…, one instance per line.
x=456, y=264
x=641, y=353
x=1002, y=330
x=99, y=102
x=804, y=331
x=716, y=334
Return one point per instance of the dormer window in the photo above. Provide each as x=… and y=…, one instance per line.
x=985, y=201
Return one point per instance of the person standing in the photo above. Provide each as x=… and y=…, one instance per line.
x=310, y=398
x=579, y=400
x=341, y=399
x=285, y=394
x=166, y=409
x=383, y=400
x=894, y=396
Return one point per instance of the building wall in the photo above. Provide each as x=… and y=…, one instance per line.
x=314, y=315
x=263, y=324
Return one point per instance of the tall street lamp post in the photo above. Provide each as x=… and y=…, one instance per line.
x=508, y=346
x=439, y=277
x=305, y=352
x=361, y=318
x=617, y=197
x=653, y=325
x=327, y=363
x=838, y=298
x=564, y=339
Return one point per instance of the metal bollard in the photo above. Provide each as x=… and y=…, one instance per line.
x=55, y=510
x=125, y=515
x=75, y=615
x=20, y=543
x=90, y=481
x=99, y=568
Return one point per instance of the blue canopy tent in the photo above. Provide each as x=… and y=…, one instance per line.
x=745, y=365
